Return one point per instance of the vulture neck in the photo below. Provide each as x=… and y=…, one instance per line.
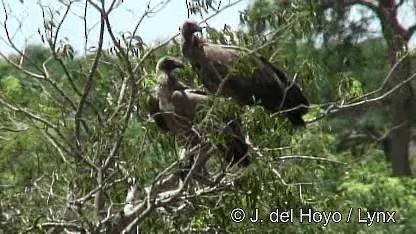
x=193, y=48
x=165, y=91
x=166, y=79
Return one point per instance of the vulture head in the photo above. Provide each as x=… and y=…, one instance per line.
x=167, y=64
x=189, y=28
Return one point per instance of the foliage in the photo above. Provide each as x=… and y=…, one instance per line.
x=75, y=138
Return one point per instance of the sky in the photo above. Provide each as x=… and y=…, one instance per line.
x=156, y=28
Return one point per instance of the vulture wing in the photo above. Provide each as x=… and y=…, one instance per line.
x=186, y=102
x=173, y=106
x=294, y=94
x=156, y=114
x=256, y=82
x=197, y=91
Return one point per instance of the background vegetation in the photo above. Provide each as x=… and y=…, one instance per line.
x=76, y=137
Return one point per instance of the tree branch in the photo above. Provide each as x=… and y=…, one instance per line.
x=410, y=32
x=371, y=4
x=91, y=74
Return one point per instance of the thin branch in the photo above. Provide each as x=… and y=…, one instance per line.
x=55, y=144
x=143, y=16
x=289, y=157
x=337, y=108
x=91, y=74
x=54, y=224
x=56, y=86
x=150, y=51
x=410, y=31
x=14, y=47
x=12, y=129
x=284, y=182
x=19, y=67
x=385, y=81
x=28, y=113
x=371, y=4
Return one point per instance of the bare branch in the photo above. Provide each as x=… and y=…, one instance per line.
x=385, y=81
x=28, y=113
x=13, y=45
x=410, y=31
x=287, y=157
x=370, y=4
x=335, y=108
x=56, y=145
x=55, y=85
x=91, y=74
x=12, y=129
x=61, y=224
x=144, y=57
x=19, y=67
x=283, y=181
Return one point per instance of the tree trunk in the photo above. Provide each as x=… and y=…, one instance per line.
x=399, y=137
x=398, y=140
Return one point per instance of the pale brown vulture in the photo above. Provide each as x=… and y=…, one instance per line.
x=174, y=105
x=266, y=84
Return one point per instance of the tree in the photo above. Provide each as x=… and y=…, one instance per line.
x=333, y=25
x=79, y=151
x=401, y=103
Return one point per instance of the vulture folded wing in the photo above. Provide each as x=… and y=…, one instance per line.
x=248, y=78
x=156, y=113
x=197, y=91
x=282, y=76
x=220, y=54
x=186, y=102
x=179, y=85
x=294, y=97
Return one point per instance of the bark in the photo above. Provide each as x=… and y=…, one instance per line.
x=397, y=37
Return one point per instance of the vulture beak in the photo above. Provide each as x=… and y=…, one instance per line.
x=180, y=64
x=177, y=62
x=198, y=28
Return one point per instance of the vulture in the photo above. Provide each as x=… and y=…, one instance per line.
x=258, y=82
x=173, y=106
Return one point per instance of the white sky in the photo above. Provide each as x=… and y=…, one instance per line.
x=158, y=27
x=406, y=17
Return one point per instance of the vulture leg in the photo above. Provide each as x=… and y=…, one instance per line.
x=235, y=149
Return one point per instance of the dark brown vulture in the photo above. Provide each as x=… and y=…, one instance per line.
x=266, y=84
x=174, y=105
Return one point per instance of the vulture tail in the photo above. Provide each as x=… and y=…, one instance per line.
x=296, y=119
x=294, y=97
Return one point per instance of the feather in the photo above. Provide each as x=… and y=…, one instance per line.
x=248, y=80
x=173, y=106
